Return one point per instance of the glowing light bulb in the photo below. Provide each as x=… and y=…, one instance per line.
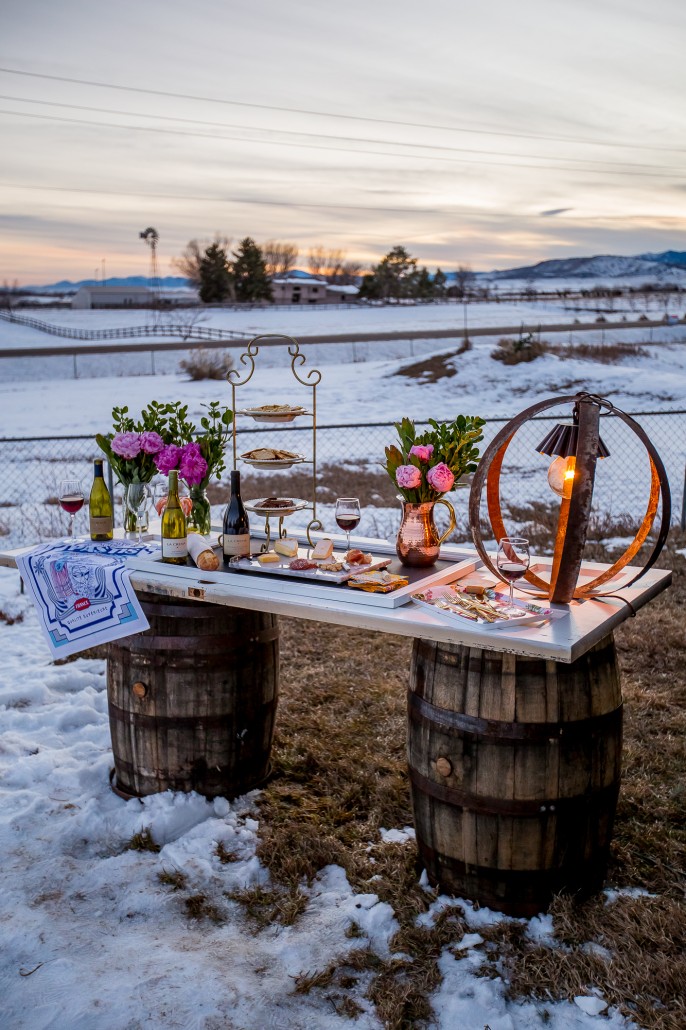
x=561, y=475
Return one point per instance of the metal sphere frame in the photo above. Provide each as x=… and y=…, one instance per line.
x=575, y=508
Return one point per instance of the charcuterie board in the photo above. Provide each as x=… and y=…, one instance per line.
x=316, y=575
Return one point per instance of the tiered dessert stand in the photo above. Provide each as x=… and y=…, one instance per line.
x=239, y=377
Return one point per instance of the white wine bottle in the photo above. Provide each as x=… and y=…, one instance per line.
x=174, y=532
x=236, y=528
x=101, y=512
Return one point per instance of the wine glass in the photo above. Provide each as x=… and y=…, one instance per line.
x=138, y=498
x=513, y=561
x=71, y=498
x=348, y=515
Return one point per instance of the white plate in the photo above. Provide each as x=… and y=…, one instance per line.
x=275, y=416
x=528, y=612
x=273, y=463
x=298, y=505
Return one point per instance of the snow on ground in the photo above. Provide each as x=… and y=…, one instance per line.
x=93, y=941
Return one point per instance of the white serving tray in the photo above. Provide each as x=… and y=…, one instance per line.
x=318, y=575
x=314, y=588
x=530, y=613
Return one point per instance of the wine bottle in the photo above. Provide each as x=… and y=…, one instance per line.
x=101, y=512
x=236, y=539
x=174, y=532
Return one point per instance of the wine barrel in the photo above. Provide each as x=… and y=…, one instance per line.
x=192, y=701
x=515, y=766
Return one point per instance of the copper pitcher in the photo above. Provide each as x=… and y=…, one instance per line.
x=418, y=542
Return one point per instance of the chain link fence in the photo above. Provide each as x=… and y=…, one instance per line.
x=348, y=459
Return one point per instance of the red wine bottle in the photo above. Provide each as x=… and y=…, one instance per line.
x=236, y=527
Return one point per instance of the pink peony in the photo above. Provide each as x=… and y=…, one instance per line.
x=193, y=467
x=151, y=442
x=185, y=502
x=440, y=478
x=408, y=477
x=422, y=451
x=168, y=458
x=126, y=445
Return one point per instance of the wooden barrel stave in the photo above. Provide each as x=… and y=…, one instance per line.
x=203, y=717
x=515, y=767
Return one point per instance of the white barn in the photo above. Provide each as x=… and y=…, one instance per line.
x=112, y=297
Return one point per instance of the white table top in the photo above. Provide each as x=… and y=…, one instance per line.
x=563, y=640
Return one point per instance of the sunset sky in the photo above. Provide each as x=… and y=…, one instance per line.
x=489, y=134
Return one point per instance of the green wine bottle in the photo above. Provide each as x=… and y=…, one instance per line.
x=174, y=532
x=101, y=512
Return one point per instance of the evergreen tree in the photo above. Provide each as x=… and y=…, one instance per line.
x=250, y=273
x=396, y=275
x=214, y=275
x=439, y=283
x=425, y=286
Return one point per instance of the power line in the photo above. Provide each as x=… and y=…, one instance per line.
x=338, y=150
x=333, y=114
x=214, y=200
x=308, y=135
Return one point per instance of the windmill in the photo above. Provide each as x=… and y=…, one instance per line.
x=151, y=237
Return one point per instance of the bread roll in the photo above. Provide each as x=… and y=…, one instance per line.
x=200, y=550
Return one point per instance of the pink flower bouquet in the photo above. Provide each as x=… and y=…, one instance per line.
x=426, y=466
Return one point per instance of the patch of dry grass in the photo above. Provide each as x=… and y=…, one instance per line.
x=340, y=775
x=434, y=367
x=604, y=353
x=207, y=364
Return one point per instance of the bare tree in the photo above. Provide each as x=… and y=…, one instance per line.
x=331, y=264
x=279, y=258
x=350, y=273
x=8, y=293
x=464, y=277
x=188, y=264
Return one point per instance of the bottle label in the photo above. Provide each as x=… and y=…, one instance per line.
x=100, y=524
x=237, y=546
x=174, y=548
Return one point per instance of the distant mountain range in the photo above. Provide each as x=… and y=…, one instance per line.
x=169, y=282
x=602, y=266
x=667, y=265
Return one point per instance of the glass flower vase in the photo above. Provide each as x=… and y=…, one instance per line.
x=199, y=520
x=135, y=517
x=419, y=543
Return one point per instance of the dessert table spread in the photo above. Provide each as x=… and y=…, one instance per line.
x=514, y=733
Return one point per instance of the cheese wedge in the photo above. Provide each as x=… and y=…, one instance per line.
x=267, y=557
x=286, y=546
x=323, y=550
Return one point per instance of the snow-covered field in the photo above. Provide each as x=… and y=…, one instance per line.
x=91, y=940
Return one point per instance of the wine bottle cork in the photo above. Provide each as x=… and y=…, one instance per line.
x=200, y=550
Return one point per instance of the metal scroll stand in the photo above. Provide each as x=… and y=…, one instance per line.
x=310, y=379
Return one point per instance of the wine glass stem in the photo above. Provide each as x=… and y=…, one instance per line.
x=511, y=594
x=71, y=527
x=348, y=543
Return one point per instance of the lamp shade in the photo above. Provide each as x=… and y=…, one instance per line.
x=561, y=442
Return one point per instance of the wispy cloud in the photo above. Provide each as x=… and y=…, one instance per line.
x=554, y=211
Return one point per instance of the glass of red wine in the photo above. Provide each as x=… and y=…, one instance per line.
x=348, y=515
x=513, y=561
x=71, y=500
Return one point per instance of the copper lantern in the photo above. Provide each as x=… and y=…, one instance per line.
x=575, y=448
